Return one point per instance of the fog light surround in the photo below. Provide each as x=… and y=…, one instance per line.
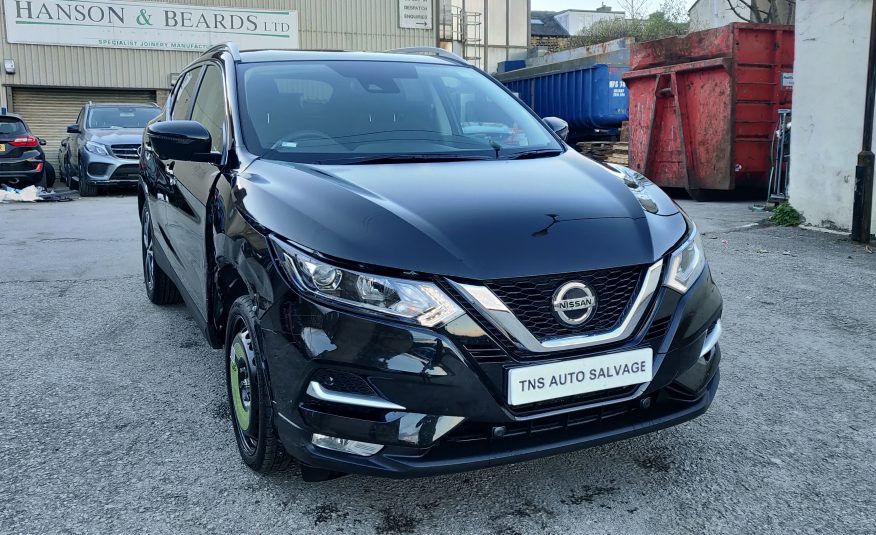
x=363, y=449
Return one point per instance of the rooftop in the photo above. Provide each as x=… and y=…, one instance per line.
x=547, y=25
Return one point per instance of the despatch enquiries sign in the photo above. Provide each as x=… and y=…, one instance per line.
x=120, y=24
x=416, y=14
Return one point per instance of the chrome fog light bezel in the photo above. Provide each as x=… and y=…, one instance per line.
x=344, y=445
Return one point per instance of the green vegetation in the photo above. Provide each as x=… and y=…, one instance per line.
x=669, y=21
x=786, y=215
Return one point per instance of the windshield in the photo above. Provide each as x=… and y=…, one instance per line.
x=341, y=111
x=121, y=117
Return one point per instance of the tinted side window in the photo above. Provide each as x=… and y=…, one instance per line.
x=209, y=107
x=184, y=94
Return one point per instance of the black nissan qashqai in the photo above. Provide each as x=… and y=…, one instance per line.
x=410, y=272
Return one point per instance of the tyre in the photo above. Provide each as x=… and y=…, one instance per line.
x=49, y=176
x=86, y=189
x=72, y=184
x=252, y=415
x=159, y=288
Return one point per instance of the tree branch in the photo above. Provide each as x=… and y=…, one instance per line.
x=738, y=14
x=757, y=14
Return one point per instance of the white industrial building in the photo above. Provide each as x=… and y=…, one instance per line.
x=575, y=20
x=60, y=54
x=705, y=14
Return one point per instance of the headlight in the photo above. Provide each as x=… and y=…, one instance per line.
x=96, y=148
x=415, y=301
x=686, y=263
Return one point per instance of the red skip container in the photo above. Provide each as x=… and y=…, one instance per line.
x=703, y=107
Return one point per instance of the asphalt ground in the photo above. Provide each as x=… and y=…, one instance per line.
x=115, y=418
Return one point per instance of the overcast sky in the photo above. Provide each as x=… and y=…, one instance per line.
x=559, y=5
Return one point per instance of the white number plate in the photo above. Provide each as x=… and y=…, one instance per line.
x=531, y=384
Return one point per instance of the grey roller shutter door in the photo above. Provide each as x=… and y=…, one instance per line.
x=49, y=111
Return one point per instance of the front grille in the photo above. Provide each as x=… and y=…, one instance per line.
x=128, y=152
x=590, y=398
x=529, y=299
x=473, y=432
x=343, y=382
x=486, y=353
x=658, y=328
x=126, y=172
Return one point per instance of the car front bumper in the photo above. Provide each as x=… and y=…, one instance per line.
x=451, y=412
x=110, y=171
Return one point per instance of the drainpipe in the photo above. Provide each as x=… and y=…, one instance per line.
x=862, y=207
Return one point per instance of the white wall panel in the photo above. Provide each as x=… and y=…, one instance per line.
x=830, y=71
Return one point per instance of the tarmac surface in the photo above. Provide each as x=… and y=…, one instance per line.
x=115, y=418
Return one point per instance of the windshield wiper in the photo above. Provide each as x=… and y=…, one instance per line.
x=402, y=158
x=536, y=153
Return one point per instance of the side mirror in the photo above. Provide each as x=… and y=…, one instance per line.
x=559, y=126
x=187, y=141
x=73, y=129
x=42, y=141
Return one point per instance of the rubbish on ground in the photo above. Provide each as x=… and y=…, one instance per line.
x=57, y=196
x=28, y=194
x=34, y=194
x=760, y=251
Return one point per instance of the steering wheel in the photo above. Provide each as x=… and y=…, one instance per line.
x=303, y=135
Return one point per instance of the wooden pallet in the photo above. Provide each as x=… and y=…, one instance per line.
x=606, y=151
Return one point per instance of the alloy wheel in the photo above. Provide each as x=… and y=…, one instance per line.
x=148, y=253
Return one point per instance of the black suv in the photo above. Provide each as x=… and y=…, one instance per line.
x=410, y=272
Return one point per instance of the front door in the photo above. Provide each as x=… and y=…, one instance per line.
x=186, y=217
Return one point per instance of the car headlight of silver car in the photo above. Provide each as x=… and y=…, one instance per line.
x=410, y=300
x=687, y=262
x=96, y=148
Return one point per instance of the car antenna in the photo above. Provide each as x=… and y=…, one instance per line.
x=496, y=147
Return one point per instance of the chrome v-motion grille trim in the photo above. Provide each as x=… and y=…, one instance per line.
x=495, y=311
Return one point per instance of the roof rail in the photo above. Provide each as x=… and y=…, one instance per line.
x=229, y=47
x=431, y=51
